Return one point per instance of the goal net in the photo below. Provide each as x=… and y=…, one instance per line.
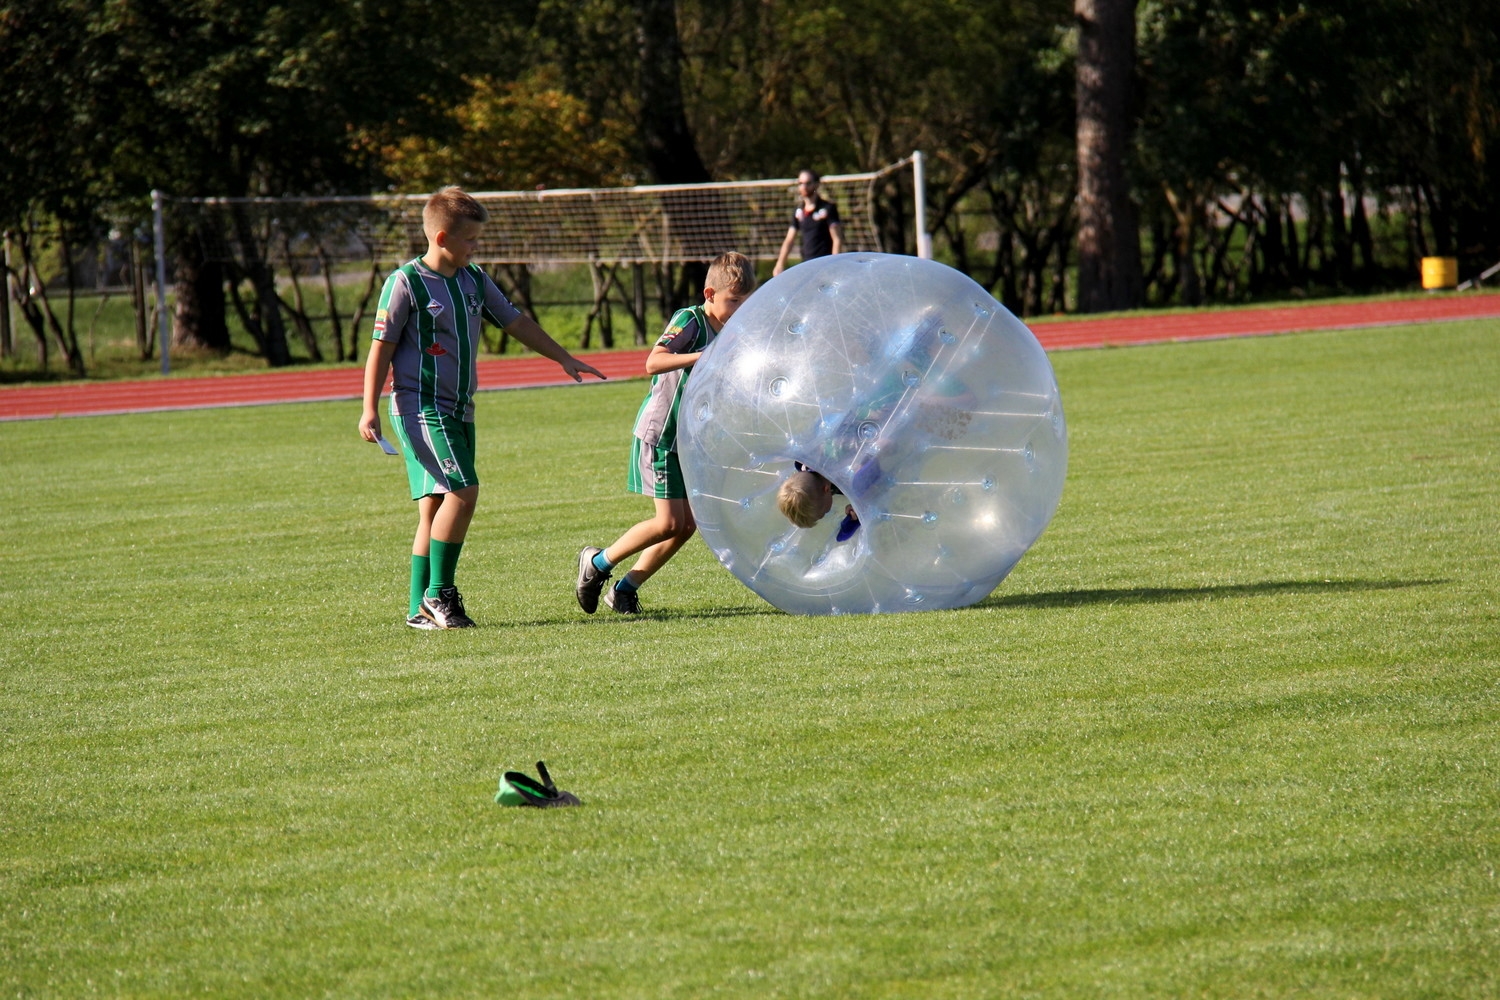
x=631, y=240
x=647, y=224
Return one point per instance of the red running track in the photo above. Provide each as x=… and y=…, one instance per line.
x=78, y=399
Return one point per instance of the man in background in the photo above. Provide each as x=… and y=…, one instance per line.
x=815, y=220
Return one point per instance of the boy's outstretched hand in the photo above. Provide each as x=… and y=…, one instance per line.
x=576, y=370
x=525, y=330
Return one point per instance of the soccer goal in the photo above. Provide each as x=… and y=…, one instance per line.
x=635, y=240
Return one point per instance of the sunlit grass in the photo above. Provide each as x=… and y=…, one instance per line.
x=1229, y=730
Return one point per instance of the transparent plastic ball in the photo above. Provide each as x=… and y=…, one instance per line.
x=927, y=405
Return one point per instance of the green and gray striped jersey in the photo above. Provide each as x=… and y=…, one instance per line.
x=656, y=423
x=435, y=323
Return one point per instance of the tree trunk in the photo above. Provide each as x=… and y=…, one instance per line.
x=1156, y=275
x=1359, y=232
x=26, y=279
x=665, y=136
x=297, y=309
x=143, y=343
x=326, y=270
x=1109, y=251
x=41, y=317
x=7, y=343
x=1185, y=212
x=1313, y=241
x=1439, y=218
x=1343, y=249
x=638, y=301
x=1057, y=300
x=1295, y=273
x=1416, y=235
x=359, y=312
x=198, y=320
x=1273, y=269
x=266, y=325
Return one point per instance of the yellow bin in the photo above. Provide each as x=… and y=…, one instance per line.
x=1439, y=272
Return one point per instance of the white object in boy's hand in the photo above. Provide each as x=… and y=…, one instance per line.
x=386, y=446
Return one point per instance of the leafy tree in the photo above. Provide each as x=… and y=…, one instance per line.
x=514, y=136
x=1261, y=140
x=1289, y=118
x=260, y=98
x=624, y=60
x=857, y=84
x=1433, y=117
x=50, y=184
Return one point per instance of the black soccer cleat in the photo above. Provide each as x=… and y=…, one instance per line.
x=591, y=580
x=625, y=602
x=447, y=609
x=421, y=621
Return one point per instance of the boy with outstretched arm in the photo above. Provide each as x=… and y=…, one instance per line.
x=654, y=469
x=427, y=337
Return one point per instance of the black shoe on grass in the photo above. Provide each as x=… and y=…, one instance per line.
x=591, y=580
x=421, y=621
x=447, y=609
x=625, y=602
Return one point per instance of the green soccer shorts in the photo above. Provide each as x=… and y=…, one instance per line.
x=439, y=452
x=654, y=472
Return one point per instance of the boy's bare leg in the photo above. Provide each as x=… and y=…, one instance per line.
x=657, y=539
x=450, y=521
x=447, y=517
x=421, y=562
x=427, y=508
x=667, y=523
x=654, y=557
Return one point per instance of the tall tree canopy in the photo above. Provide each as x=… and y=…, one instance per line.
x=1248, y=147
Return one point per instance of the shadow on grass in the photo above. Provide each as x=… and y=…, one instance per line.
x=1054, y=599
x=1169, y=595
x=664, y=614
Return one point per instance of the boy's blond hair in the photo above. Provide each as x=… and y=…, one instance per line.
x=799, y=498
x=447, y=208
x=732, y=273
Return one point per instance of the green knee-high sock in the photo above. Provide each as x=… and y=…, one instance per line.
x=420, y=571
x=444, y=557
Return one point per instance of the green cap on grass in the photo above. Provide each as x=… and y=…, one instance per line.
x=518, y=789
x=509, y=795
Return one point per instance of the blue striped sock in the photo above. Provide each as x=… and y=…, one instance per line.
x=602, y=564
x=625, y=586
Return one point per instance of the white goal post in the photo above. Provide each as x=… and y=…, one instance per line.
x=653, y=224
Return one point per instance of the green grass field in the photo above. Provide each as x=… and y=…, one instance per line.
x=1231, y=729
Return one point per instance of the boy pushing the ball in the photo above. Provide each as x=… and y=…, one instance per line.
x=654, y=469
x=427, y=338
